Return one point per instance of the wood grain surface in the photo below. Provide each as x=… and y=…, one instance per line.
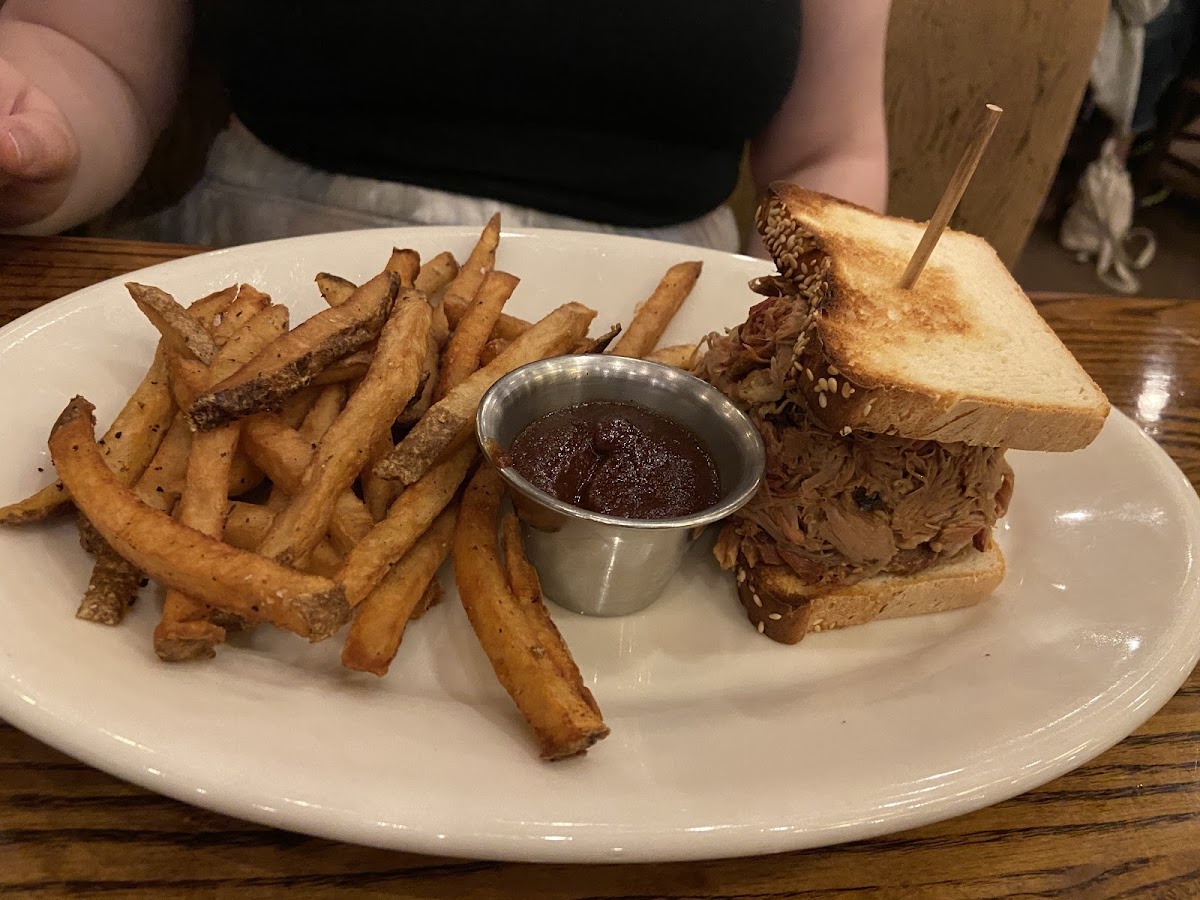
x=1126, y=825
x=945, y=60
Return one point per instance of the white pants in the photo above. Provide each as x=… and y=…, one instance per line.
x=251, y=193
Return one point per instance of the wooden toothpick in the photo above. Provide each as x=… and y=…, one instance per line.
x=954, y=191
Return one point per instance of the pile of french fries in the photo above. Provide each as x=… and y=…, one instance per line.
x=318, y=476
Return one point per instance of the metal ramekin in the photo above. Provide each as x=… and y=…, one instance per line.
x=610, y=565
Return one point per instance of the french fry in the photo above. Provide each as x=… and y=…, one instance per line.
x=524, y=653
x=378, y=626
x=679, y=356
x=244, y=476
x=134, y=435
x=280, y=452
x=183, y=558
x=522, y=576
x=461, y=356
x=114, y=581
x=436, y=274
x=432, y=597
x=527, y=589
x=481, y=261
x=431, y=280
x=185, y=630
x=328, y=405
x=341, y=453
x=181, y=332
x=491, y=350
x=188, y=381
x=410, y=515
x=421, y=403
x=162, y=482
x=655, y=314
x=439, y=330
x=113, y=584
x=291, y=362
x=323, y=413
x=129, y=445
x=507, y=328
x=248, y=523
x=248, y=301
x=406, y=264
x=597, y=344
x=334, y=289
x=377, y=493
x=449, y=421
x=352, y=368
x=297, y=406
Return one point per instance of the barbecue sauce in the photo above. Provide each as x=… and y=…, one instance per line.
x=619, y=459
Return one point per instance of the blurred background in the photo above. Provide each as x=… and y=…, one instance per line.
x=1098, y=148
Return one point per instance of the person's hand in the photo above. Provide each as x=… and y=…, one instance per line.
x=38, y=151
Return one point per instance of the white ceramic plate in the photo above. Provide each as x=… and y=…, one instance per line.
x=723, y=743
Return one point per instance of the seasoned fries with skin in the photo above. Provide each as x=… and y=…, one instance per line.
x=323, y=413
x=461, y=356
x=248, y=301
x=491, y=350
x=180, y=331
x=432, y=597
x=283, y=454
x=597, y=344
x=421, y=403
x=507, y=328
x=410, y=515
x=113, y=584
x=524, y=653
x=342, y=452
x=654, y=315
x=233, y=397
x=352, y=368
x=436, y=274
x=378, y=626
x=136, y=432
x=449, y=421
x=334, y=289
x=678, y=356
x=292, y=361
x=185, y=631
x=180, y=557
x=377, y=493
x=481, y=261
x=406, y=264
x=248, y=523
x=129, y=445
x=527, y=588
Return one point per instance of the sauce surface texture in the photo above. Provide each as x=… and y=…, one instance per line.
x=619, y=459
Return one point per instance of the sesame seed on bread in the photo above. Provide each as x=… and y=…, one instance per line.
x=781, y=607
x=962, y=356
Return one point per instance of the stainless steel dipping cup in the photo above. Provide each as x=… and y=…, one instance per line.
x=604, y=565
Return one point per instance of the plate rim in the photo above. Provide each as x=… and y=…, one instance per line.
x=1168, y=673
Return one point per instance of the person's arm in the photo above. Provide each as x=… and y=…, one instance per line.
x=86, y=87
x=829, y=134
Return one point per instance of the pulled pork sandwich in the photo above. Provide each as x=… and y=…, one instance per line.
x=886, y=414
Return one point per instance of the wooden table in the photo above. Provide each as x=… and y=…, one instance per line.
x=1125, y=825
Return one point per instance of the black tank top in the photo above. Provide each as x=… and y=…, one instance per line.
x=631, y=112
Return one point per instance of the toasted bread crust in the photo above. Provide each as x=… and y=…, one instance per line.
x=853, y=325
x=783, y=609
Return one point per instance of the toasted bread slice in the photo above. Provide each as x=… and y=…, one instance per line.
x=962, y=356
x=785, y=610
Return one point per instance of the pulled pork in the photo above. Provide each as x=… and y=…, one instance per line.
x=837, y=509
